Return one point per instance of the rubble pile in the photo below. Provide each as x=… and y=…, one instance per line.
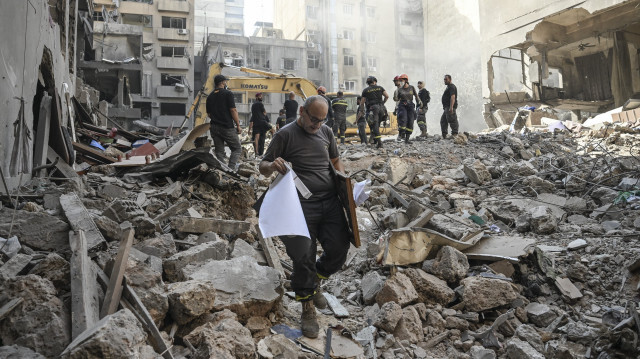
x=491, y=245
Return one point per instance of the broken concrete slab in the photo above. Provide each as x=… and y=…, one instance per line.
x=225, y=338
x=540, y=314
x=388, y=316
x=409, y=327
x=10, y=247
x=567, y=288
x=15, y=265
x=174, y=265
x=119, y=335
x=518, y=349
x=80, y=220
x=188, y=300
x=37, y=230
x=242, y=248
x=242, y=285
x=430, y=289
x=122, y=210
x=477, y=172
x=500, y=247
x=542, y=220
x=54, y=268
x=398, y=288
x=203, y=225
x=484, y=293
x=18, y=352
x=161, y=246
x=451, y=225
x=450, y=264
x=371, y=284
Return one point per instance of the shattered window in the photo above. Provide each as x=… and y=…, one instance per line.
x=313, y=60
x=174, y=22
x=171, y=79
x=136, y=19
x=97, y=16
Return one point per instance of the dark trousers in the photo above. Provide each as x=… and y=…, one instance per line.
x=327, y=224
x=228, y=136
x=362, y=132
x=449, y=119
x=422, y=119
x=260, y=147
x=406, y=117
x=374, y=118
x=340, y=126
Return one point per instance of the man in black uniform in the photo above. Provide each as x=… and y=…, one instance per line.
x=222, y=111
x=311, y=148
x=259, y=125
x=339, y=106
x=291, y=107
x=374, y=97
x=425, y=97
x=330, y=119
x=281, y=121
x=449, y=105
x=361, y=120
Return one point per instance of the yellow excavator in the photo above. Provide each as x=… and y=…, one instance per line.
x=264, y=81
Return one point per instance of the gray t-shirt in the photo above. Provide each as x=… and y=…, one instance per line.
x=309, y=156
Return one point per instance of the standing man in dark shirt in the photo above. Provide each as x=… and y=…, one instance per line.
x=339, y=106
x=374, y=97
x=449, y=105
x=259, y=125
x=291, y=108
x=281, y=121
x=425, y=97
x=311, y=149
x=222, y=111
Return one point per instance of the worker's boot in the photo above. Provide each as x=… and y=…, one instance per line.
x=379, y=143
x=423, y=133
x=308, y=320
x=406, y=138
x=319, y=300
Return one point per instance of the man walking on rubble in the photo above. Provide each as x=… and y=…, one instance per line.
x=339, y=106
x=404, y=95
x=425, y=97
x=259, y=125
x=291, y=107
x=374, y=98
x=225, y=125
x=449, y=105
x=311, y=149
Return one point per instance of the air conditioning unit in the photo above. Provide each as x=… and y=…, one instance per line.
x=155, y=104
x=183, y=31
x=340, y=36
x=310, y=44
x=179, y=87
x=372, y=69
x=346, y=51
x=226, y=53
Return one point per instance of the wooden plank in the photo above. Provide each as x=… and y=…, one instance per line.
x=42, y=135
x=397, y=196
x=114, y=290
x=84, y=293
x=81, y=220
x=9, y=306
x=131, y=301
x=339, y=311
x=203, y=225
x=615, y=117
x=270, y=252
x=623, y=117
x=66, y=170
x=345, y=195
x=95, y=154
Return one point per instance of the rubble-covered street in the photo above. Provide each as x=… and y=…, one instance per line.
x=489, y=245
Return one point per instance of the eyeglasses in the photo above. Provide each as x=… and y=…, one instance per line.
x=313, y=119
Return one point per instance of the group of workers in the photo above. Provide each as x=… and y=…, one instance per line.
x=310, y=147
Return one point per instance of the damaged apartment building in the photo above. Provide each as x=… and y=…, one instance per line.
x=578, y=56
x=140, y=57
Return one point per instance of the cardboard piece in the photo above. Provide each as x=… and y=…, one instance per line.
x=498, y=248
x=345, y=194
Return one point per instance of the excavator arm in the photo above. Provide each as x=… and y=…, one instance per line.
x=263, y=81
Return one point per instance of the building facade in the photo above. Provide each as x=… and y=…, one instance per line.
x=266, y=51
x=349, y=40
x=217, y=17
x=141, y=58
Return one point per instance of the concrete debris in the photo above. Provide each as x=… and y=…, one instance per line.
x=518, y=349
x=430, y=288
x=399, y=289
x=174, y=265
x=190, y=299
x=225, y=338
x=388, y=316
x=450, y=265
x=481, y=294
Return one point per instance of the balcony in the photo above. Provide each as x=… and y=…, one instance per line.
x=117, y=29
x=171, y=92
x=166, y=120
x=173, y=63
x=173, y=34
x=174, y=6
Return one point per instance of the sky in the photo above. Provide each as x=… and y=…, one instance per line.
x=256, y=10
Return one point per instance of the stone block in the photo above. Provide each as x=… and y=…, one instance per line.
x=195, y=255
x=190, y=299
x=484, y=293
x=477, y=172
x=450, y=265
x=371, y=284
x=518, y=349
x=388, y=316
x=399, y=289
x=409, y=327
x=430, y=289
x=540, y=314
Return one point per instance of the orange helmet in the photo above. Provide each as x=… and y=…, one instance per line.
x=322, y=89
x=403, y=77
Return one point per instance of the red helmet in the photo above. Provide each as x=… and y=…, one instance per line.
x=322, y=89
x=403, y=77
x=396, y=78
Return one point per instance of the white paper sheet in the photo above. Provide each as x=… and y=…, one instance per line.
x=359, y=194
x=281, y=213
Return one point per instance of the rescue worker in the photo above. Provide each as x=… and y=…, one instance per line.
x=361, y=121
x=259, y=125
x=396, y=83
x=339, y=106
x=225, y=124
x=282, y=120
x=330, y=120
x=449, y=105
x=404, y=95
x=374, y=98
x=311, y=149
x=291, y=107
x=425, y=97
